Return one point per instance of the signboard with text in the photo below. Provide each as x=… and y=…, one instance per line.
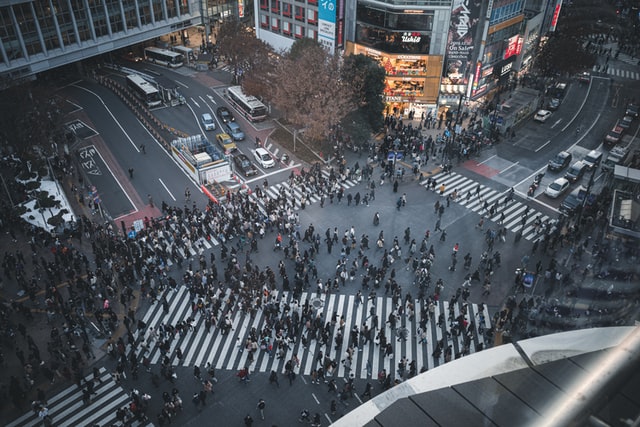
x=465, y=16
x=327, y=24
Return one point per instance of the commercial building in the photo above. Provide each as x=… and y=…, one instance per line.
x=39, y=35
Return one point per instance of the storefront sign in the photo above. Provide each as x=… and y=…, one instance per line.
x=393, y=98
x=506, y=68
x=413, y=37
x=465, y=15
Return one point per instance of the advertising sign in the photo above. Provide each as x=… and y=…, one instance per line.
x=327, y=24
x=465, y=15
x=514, y=46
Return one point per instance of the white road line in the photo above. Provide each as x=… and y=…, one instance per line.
x=508, y=167
x=181, y=84
x=165, y=187
x=481, y=163
x=542, y=146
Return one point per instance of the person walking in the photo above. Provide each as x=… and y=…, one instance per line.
x=261, y=405
x=248, y=421
x=273, y=378
x=150, y=200
x=131, y=173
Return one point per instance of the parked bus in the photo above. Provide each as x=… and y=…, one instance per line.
x=163, y=57
x=144, y=90
x=186, y=52
x=248, y=105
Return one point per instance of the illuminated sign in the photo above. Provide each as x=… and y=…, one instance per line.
x=514, y=47
x=505, y=69
x=412, y=37
x=556, y=13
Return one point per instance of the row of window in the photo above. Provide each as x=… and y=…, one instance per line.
x=289, y=10
x=75, y=22
x=287, y=28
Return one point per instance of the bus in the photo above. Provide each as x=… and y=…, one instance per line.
x=144, y=90
x=164, y=57
x=186, y=52
x=248, y=105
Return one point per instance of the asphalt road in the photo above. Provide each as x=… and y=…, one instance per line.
x=593, y=108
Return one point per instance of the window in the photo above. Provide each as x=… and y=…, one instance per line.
x=312, y=34
x=286, y=28
x=264, y=4
x=299, y=13
x=299, y=31
x=275, y=6
x=275, y=24
x=312, y=16
x=286, y=9
x=264, y=21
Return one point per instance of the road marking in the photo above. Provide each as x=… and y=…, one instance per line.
x=508, y=167
x=481, y=163
x=327, y=417
x=135, y=146
x=357, y=397
x=315, y=398
x=211, y=99
x=181, y=84
x=272, y=173
x=194, y=101
x=116, y=179
x=543, y=145
x=165, y=187
x=556, y=123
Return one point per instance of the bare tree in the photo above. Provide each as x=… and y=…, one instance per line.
x=243, y=51
x=310, y=90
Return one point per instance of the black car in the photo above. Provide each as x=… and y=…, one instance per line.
x=560, y=161
x=244, y=165
x=225, y=115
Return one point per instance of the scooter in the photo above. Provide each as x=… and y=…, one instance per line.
x=284, y=158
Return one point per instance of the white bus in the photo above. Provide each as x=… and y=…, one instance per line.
x=250, y=106
x=186, y=52
x=164, y=57
x=144, y=90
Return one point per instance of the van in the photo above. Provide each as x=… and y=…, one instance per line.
x=576, y=171
x=593, y=159
x=207, y=122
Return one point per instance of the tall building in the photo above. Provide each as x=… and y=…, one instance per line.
x=37, y=35
x=408, y=38
x=281, y=22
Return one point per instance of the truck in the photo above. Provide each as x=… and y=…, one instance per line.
x=614, y=135
x=616, y=156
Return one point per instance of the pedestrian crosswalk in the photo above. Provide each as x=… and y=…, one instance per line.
x=68, y=409
x=617, y=72
x=298, y=192
x=199, y=346
x=466, y=188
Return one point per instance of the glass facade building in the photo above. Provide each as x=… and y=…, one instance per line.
x=38, y=35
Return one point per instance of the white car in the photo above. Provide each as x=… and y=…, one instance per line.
x=263, y=158
x=208, y=122
x=557, y=187
x=542, y=116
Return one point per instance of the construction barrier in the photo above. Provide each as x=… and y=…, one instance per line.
x=207, y=193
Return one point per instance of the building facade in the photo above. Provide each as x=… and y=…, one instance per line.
x=281, y=22
x=37, y=35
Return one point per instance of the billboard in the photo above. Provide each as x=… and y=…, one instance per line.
x=465, y=16
x=556, y=14
x=327, y=24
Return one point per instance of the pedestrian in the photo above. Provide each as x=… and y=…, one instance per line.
x=150, y=200
x=273, y=378
x=248, y=421
x=443, y=236
x=130, y=172
x=196, y=373
x=261, y=405
x=143, y=148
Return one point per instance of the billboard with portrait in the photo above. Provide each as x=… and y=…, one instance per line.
x=465, y=16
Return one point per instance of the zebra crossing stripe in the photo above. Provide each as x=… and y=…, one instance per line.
x=224, y=351
x=513, y=210
x=68, y=409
